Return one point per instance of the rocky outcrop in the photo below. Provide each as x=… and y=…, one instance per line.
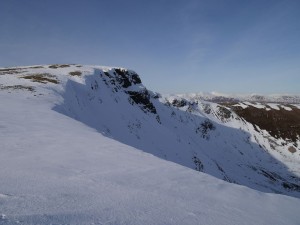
x=126, y=80
x=143, y=99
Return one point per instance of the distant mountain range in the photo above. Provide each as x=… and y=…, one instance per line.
x=220, y=98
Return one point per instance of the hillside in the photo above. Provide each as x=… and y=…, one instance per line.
x=278, y=115
x=91, y=145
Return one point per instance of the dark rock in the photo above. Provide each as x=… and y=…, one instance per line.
x=199, y=165
x=122, y=77
x=142, y=98
x=179, y=103
x=204, y=128
x=223, y=113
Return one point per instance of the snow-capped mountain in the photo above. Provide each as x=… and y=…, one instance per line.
x=221, y=98
x=77, y=139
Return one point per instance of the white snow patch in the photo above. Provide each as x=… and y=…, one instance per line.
x=244, y=106
x=286, y=108
x=296, y=105
x=256, y=105
x=274, y=106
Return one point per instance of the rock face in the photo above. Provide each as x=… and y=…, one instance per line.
x=127, y=80
x=251, y=144
x=123, y=77
x=142, y=98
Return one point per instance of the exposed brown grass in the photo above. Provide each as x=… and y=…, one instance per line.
x=11, y=71
x=17, y=87
x=8, y=69
x=279, y=123
x=55, y=66
x=292, y=149
x=42, y=78
x=36, y=67
x=75, y=73
x=18, y=70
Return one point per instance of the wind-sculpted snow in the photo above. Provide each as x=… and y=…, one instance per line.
x=81, y=151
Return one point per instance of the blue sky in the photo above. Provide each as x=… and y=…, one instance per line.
x=175, y=45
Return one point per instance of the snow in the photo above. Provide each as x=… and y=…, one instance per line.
x=274, y=106
x=286, y=108
x=57, y=170
x=244, y=106
x=256, y=105
x=274, y=98
x=70, y=154
x=296, y=105
x=264, y=106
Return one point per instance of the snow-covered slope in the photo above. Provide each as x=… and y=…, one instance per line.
x=74, y=149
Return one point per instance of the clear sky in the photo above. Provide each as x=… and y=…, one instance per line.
x=230, y=46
